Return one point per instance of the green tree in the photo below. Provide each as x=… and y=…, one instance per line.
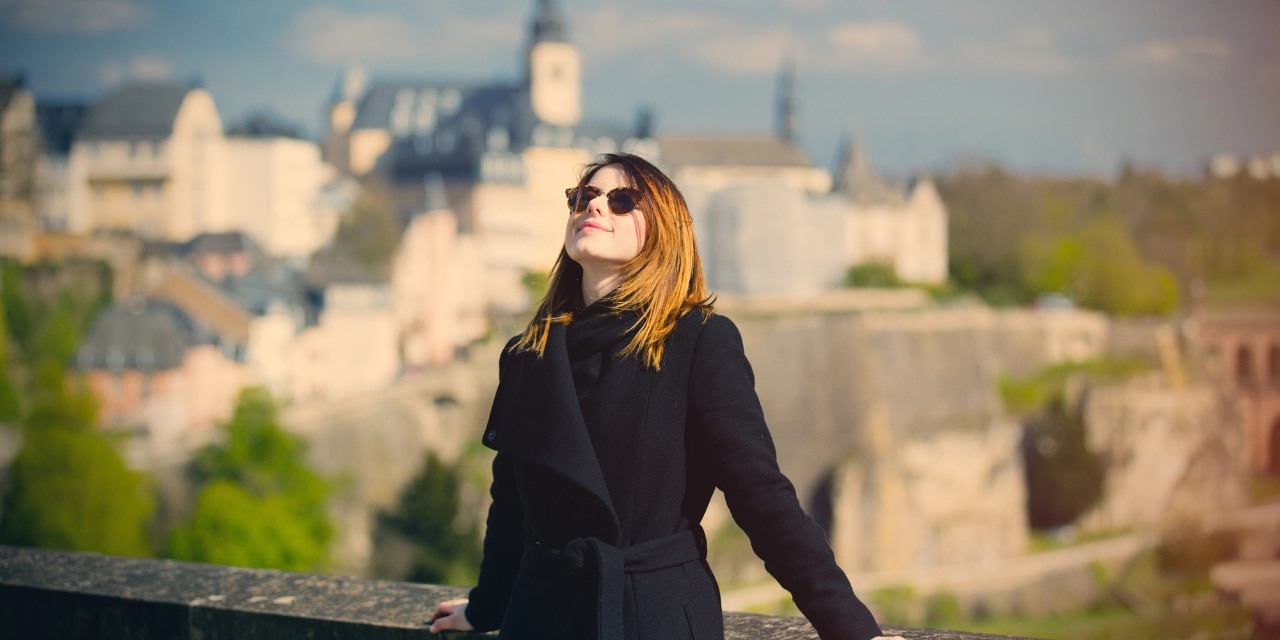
x=871, y=274
x=446, y=548
x=367, y=236
x=1064, y=478
x=69, y=489
x=10, y=405
x=259, y=504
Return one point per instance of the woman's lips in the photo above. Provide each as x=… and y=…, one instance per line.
x=591, y=225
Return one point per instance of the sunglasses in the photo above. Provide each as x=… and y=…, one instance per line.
x=622, y=200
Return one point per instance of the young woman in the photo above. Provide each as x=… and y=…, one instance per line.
x=618, y=412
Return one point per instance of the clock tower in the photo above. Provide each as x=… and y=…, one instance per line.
x=554, y=70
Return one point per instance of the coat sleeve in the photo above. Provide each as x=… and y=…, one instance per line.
x=503, y=541
x=733, y=439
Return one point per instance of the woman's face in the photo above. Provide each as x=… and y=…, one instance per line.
x=597, y=237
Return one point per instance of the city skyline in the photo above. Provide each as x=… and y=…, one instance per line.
x=1073, y=89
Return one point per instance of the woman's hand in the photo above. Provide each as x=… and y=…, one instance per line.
x=450, y=615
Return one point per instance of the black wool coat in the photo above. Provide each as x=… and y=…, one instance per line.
x=603, y=472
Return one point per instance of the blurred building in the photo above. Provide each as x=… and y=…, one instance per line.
x=1258, y=167
x=434, y=275
x=18, y=154
x=152, y=160
x=276, y=192
x=1243, y=347
x=154, y=367
x=504, y=151
x=57, y=204
x=18, y=139
x=770, y=223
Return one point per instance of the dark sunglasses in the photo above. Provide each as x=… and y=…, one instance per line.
x=622, y=200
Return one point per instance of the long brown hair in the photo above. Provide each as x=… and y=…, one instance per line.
x=661, y=284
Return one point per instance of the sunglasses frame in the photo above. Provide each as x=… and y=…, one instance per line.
x=582, y=203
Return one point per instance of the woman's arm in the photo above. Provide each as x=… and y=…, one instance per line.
x=730, y=435
x=503, y=546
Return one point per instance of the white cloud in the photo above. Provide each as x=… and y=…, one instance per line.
x=151, y=68
x=1184, y=54
x=326, y=34
x=613, y=31
x=74, y=16
x=875, y=41
x=144, y=68
x=757, y=53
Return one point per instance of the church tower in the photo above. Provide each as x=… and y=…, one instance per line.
x=336, y=147
x=785, y=110
x=554, y=73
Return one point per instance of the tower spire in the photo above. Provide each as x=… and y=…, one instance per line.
x=785, y=113
x=547, y=25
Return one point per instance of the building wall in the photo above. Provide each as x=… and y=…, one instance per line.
x=1239, y=347
x=178, y=406
x=170, y=189
x=520, y=226
x=364, y=148
x=272, y=185
x=18, y=146
x=438, y=286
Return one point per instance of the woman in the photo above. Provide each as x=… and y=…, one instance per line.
x=619, y=411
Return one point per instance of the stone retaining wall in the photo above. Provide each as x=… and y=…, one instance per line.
x=67, y=596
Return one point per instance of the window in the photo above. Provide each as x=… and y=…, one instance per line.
x=1244, y=365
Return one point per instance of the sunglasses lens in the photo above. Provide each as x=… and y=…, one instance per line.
x=579, y=197
x=622, y=201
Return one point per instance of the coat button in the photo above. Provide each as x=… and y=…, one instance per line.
x=490, y=436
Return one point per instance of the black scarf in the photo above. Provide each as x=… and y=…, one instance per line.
x=596, y=333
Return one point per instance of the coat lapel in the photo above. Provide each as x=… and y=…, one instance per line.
x=537, y=419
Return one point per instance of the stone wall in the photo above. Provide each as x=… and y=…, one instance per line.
x=890, y=425
x=67, y=596
x=1171, y=454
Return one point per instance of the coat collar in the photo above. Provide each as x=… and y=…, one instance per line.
x=537, y=419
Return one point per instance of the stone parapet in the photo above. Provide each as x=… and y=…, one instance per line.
x=67, y=595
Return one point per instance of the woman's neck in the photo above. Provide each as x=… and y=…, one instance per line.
x=597, y=283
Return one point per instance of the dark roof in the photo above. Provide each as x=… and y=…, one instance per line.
x=59, y=124
x=7, y=91
x=148, y=335
x=547, y=26
x=730, y=151
x=221, y=242
x=264, y=124
x=262, y=286
x=135, y=112
x=856, y=178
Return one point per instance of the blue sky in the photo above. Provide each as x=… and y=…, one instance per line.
x=1061, y=87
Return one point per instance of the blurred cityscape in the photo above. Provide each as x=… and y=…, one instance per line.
x=1018, y=403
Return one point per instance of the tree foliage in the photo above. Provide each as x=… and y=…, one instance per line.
x=1135, y=245
x=871, y=274
x=259, y=504
x=446, y=547
x=69, y=489
x=367, y=235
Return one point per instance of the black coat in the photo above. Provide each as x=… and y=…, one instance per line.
x=598, y=489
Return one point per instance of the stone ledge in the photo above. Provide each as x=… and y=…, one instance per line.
x=66, y=595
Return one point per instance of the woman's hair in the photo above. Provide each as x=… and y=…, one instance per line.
x=662, y=283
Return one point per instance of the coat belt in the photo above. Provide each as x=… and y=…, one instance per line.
x=602, y=567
